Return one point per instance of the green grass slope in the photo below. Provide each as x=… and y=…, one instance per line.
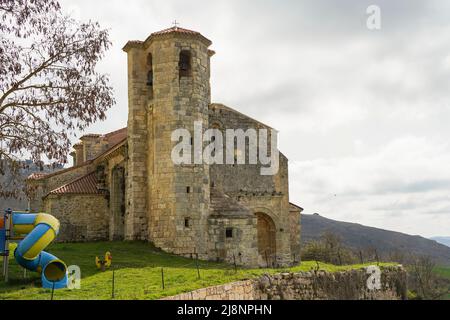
x=137, y=270
x=444, y=272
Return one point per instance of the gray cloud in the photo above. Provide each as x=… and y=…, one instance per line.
x=396, y=186
x=362, y=114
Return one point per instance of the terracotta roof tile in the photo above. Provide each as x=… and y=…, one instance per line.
x=114, y=139
x=294, y=206
x=84, y=185
x=90, y=135
x=135, y=42
x=178, y=30
x=116, y=136
x=175, y=29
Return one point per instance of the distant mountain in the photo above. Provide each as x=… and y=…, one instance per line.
x=21, y=202
x=443, y=240
x=361, y=237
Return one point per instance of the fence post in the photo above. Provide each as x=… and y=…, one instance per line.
x=53, y=289
x=5, y=265
x=267, y=260
x=162, y=278
x=113, y=285
x=8, y=229
x=196, y=262
x=361, y=257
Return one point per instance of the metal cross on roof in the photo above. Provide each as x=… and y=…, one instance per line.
x=175, y=23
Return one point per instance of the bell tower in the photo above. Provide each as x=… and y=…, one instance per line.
x=169, y=89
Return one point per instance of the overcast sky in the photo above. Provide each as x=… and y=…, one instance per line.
x=363, y=115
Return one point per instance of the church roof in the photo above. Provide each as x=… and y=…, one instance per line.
x=114, y=139
x=111, y=137
x=166, y=32
x=295, y=207
x=175, y=29
x=90, y=135
x=84, y=185
x=116, y=136
x=220, y=106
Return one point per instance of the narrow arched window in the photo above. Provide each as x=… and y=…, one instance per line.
x=150, y=70
x=184, y=64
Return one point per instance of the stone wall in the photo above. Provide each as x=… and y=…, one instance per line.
x=321, y=285
x=93, y=146
x=265, y=194
x=294, y=232
x=238, y=178
x=82, y=217
x=79, y=154
x=54, y=180
x=137, y=184
x=115, y=181
x=240, y=290
x=241, y=247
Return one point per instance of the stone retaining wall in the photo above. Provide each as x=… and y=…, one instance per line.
x=314, y=285
x=240, y=290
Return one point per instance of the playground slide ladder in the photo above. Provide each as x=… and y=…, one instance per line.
x=5, y=228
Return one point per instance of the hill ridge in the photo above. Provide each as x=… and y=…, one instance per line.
x=359, y=236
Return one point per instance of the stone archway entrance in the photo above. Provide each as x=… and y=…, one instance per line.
x=117, y=226
x=266, y=232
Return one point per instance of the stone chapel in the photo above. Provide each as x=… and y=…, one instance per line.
x=123, y=185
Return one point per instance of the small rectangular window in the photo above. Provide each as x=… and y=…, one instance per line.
x=188, y=189
x=229, y=233
x=187, y=222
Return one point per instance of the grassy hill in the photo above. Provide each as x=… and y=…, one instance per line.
x=444, y=272
x=361, y=237
x=137, y=268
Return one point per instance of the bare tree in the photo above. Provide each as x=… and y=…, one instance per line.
x=424, y=281
x=49, y=87
x=329, y=249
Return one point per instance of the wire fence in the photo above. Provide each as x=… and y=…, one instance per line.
x=151, y=282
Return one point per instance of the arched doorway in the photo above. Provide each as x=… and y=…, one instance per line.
x=117, y=204
x=266, y=232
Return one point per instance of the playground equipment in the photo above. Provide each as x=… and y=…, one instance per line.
x=104, y=263
x=35, y=231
